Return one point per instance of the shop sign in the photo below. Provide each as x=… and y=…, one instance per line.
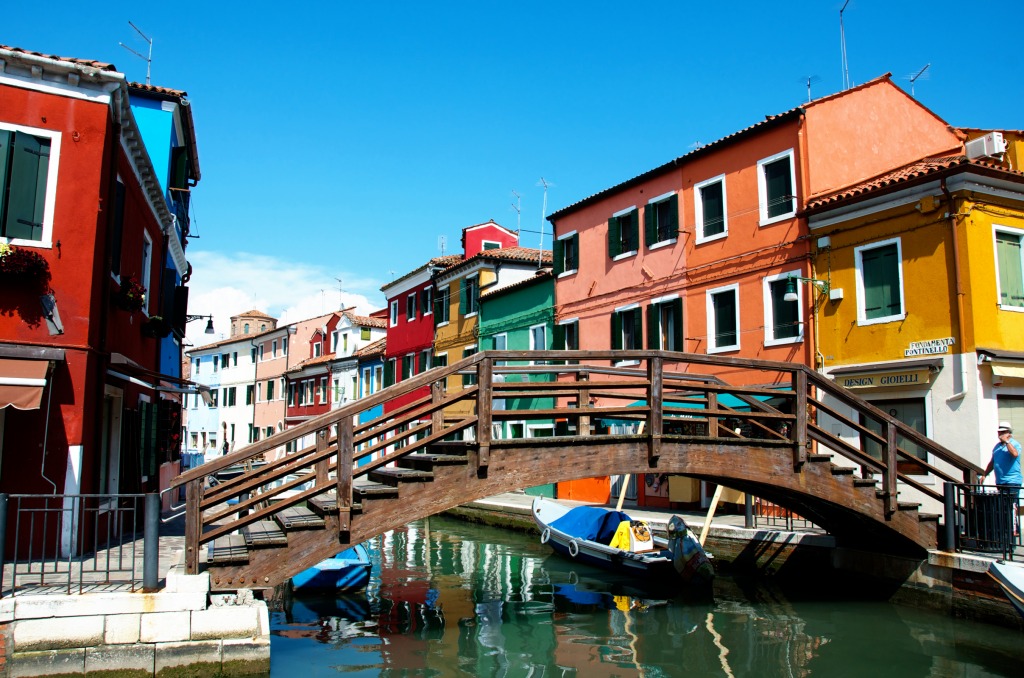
x=885, y=379
x=930, y=347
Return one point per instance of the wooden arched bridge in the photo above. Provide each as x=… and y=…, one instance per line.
x=795, y=439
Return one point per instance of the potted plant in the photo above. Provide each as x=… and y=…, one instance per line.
x=155, y=326
x=24, y=266
x=131, y=295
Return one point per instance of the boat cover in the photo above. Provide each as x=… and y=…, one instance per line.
x=590, y=523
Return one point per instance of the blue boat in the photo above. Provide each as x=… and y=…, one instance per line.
x=1010, y=578
x=347, y=571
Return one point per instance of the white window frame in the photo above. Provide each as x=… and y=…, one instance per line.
x=273, y=349
x=769, y=309
x=660, y=301
x=504, y=339
x=671, y=241
x=147, y=268
x=428, y=305
x=711, y=328
x=996, y=229
x=533, y=345
x=698, y=211
x=394, y=313
x=440, y=355
x=631, y=253
x=568, y=272
x=411, y=302
x=620, y=309
x=474, y=276
x=510, y=424
x=49, y=201
x=862, y=318
x=531, y=430
x=762, y=188
x=572, y=321
x=485, y=243
x=446, y=295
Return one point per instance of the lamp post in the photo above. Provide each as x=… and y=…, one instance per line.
x=209, y=321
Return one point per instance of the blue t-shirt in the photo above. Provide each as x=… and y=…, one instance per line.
x=1006, y=466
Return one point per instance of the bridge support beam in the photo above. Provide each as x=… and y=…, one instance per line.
x=344, y=489
x=800, y=425
x=483, y=414
x=655, y=416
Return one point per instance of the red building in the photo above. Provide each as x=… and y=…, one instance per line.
x=84, y=233
x=309, y=382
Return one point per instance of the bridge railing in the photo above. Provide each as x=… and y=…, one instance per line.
x=498, y=398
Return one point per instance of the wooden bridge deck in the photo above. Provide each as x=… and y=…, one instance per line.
x=772, y=441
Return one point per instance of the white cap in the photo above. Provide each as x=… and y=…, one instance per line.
x=1005, y=426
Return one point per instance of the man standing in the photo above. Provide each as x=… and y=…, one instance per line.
x=1006, y=463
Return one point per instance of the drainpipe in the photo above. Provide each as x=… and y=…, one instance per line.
x=951, y=214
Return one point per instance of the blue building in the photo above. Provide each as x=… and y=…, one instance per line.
x=371, y=379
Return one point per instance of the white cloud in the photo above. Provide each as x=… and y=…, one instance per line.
x=224, y=285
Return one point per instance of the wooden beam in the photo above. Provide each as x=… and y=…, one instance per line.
x=655, y=413
x=484, y=399
x=344, y=473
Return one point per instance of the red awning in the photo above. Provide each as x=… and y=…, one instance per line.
x=22, y=383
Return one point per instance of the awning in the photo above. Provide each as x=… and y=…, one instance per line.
x=1004, y=364
x=22, y=383
x=122, y=367
x=898, y=374
x=1008, y=370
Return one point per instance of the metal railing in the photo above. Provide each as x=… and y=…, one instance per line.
x=987, y=520
x=763, y=513
x=74, y=543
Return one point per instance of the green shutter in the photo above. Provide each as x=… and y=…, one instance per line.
x=5, y=155
x=422, y=367
x=557, y=253
x=673, y=215
x=638, y=329
x=1011, y=280
x=27, y=187
x=616, y=330
x=653, y=327
x=785, y=314
x=389, y=373
x=575, y=263
x=677, y=325
x=463, y=297
x=558, y=337
x=713, y=208
x=632, y=238
x=724, y=304
x=614, y=237
x=651, y=224
x=779, y=187
x=880, y=268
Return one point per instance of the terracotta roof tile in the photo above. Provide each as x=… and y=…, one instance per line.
x=254, y=314
x=312, y=362
x=523, y=254
x=444, y=262
x=365, y=320
x=372, y=349
x=101, y=65
x=542, y=274
x=158, y=90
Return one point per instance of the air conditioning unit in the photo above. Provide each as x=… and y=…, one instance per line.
x=992, y=144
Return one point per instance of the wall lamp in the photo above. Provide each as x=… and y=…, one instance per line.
x=209, y=321
x=791, y=295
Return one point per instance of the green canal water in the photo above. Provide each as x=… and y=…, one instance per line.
x=450, y=598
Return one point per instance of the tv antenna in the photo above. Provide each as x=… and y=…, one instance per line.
x=442, y=243
x=842, y=47
x=917, y=75
x=148, y=59
x=810, y=80
x=543, y=216
x=518, y=207
x=341, y=294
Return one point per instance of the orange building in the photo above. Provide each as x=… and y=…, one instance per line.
x=694, y=255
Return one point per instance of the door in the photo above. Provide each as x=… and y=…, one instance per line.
x=910, y=411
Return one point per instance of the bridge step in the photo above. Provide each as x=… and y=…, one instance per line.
x=819, y=457
x=298, y=518
x=264, y=533
x=228, y=549
x=907, y=506
x=394, y=476
x=456, y=447
x=328, y=503
x=929, y=517
x=365, y=491
x=864, y=482
x=427, y=461
x=842, y=470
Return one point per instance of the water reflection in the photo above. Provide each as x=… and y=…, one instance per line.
x=448, y=598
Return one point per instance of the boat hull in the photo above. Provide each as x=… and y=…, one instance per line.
x=1011, y=579
x=347, y=571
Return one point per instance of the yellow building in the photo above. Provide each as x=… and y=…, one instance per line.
x=919, y=278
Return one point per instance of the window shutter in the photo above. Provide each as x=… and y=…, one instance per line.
x=558, y=338
x=557, y=254
x=881, y=282
x=463, y=297
x=422, y=367
x=650, y=224
x=638, y=329
x=575, y=263
x=677, y=327
x=614, y=237
x=616, y=330
x=27, y=187
x=389, y=373
x=1011, y=280
x=673, y=215
x=437, y=307
x=5, y=152
x=778, y=187
x=653, y=326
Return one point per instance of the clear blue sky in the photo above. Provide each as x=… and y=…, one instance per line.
x=341, y=141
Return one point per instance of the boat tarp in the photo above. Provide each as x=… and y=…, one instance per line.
x=590, y=523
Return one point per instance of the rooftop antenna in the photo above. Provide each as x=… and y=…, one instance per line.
x=341, y=295
x=842, y=47
x=917, y=75
x=810, y=80
x=543, y=216
x=147, y=59
x=442, y=243
x=517, y=206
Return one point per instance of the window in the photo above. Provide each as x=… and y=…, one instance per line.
x=213, y=397
x=284, y=383
x=284, y=346
x=269, y=431
x=410, y=307
x=231, y=396
x=291, y=394
x=344, y=342
x=270, y=389
x=775, y=182
x=252, y=434
x=378, y=378
x=469, y=295
x=566, y=335
x=723, y=319
x=879, y=282
x=261, y=351
x=245, y=328
x=468, y=379
x=442, y=305
x=1009, y=268
x=250, y=393
x=408, y=365
x=566, y=253
x=338, y=390
x=440, y=360
x=661, y=220
x=234, y=359
x=323, y=389
x=424, y=363
x=623, y=233
x=366, y=387
x=318, y=349
x=273, y=349
x=500, y=342
x=627, y=330
x=147, y=265
x=389, y=372
x=709, y=209
x=364, y=333
x=394, y=312
x=491, y=245
x=252, y=355
x=426, y=300
x=665, y=324
x=783, y=323
x=28, y=162
x=216, y=362
x=910, y=411
x=195, y=365
x=225, y=359
x=538, y=340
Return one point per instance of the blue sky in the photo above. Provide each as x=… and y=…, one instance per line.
x=340, y=140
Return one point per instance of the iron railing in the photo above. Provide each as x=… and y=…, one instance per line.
x=74, y=543
x=987, y=520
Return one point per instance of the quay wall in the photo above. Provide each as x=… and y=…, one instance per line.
x=956, y=584
x=182, y=630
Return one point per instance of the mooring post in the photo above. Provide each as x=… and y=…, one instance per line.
x=748, y=511
x=949, y=509
x=151, y=544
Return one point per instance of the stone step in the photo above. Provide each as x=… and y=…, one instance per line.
x=264, y=533
x=228, y=549
x=394, y=476
x=426, y=461
x=298, y=518
x=327, y=503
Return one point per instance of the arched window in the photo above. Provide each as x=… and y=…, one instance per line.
x=263, y=328
x=246, y=330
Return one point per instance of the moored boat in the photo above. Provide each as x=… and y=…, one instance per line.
x=347, y=571
x=611, y=540
x=1010, y=578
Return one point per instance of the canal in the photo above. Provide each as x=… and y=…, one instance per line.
x=450, y=598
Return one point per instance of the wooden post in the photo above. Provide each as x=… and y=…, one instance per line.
x=193, y=524
x=484, y=398
x=322, y=467
x=344, y=491
x=712, y=420
x=799, y=434
x=890, y=468
x=436, y=396
x=583, y=425
x=655, y=416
